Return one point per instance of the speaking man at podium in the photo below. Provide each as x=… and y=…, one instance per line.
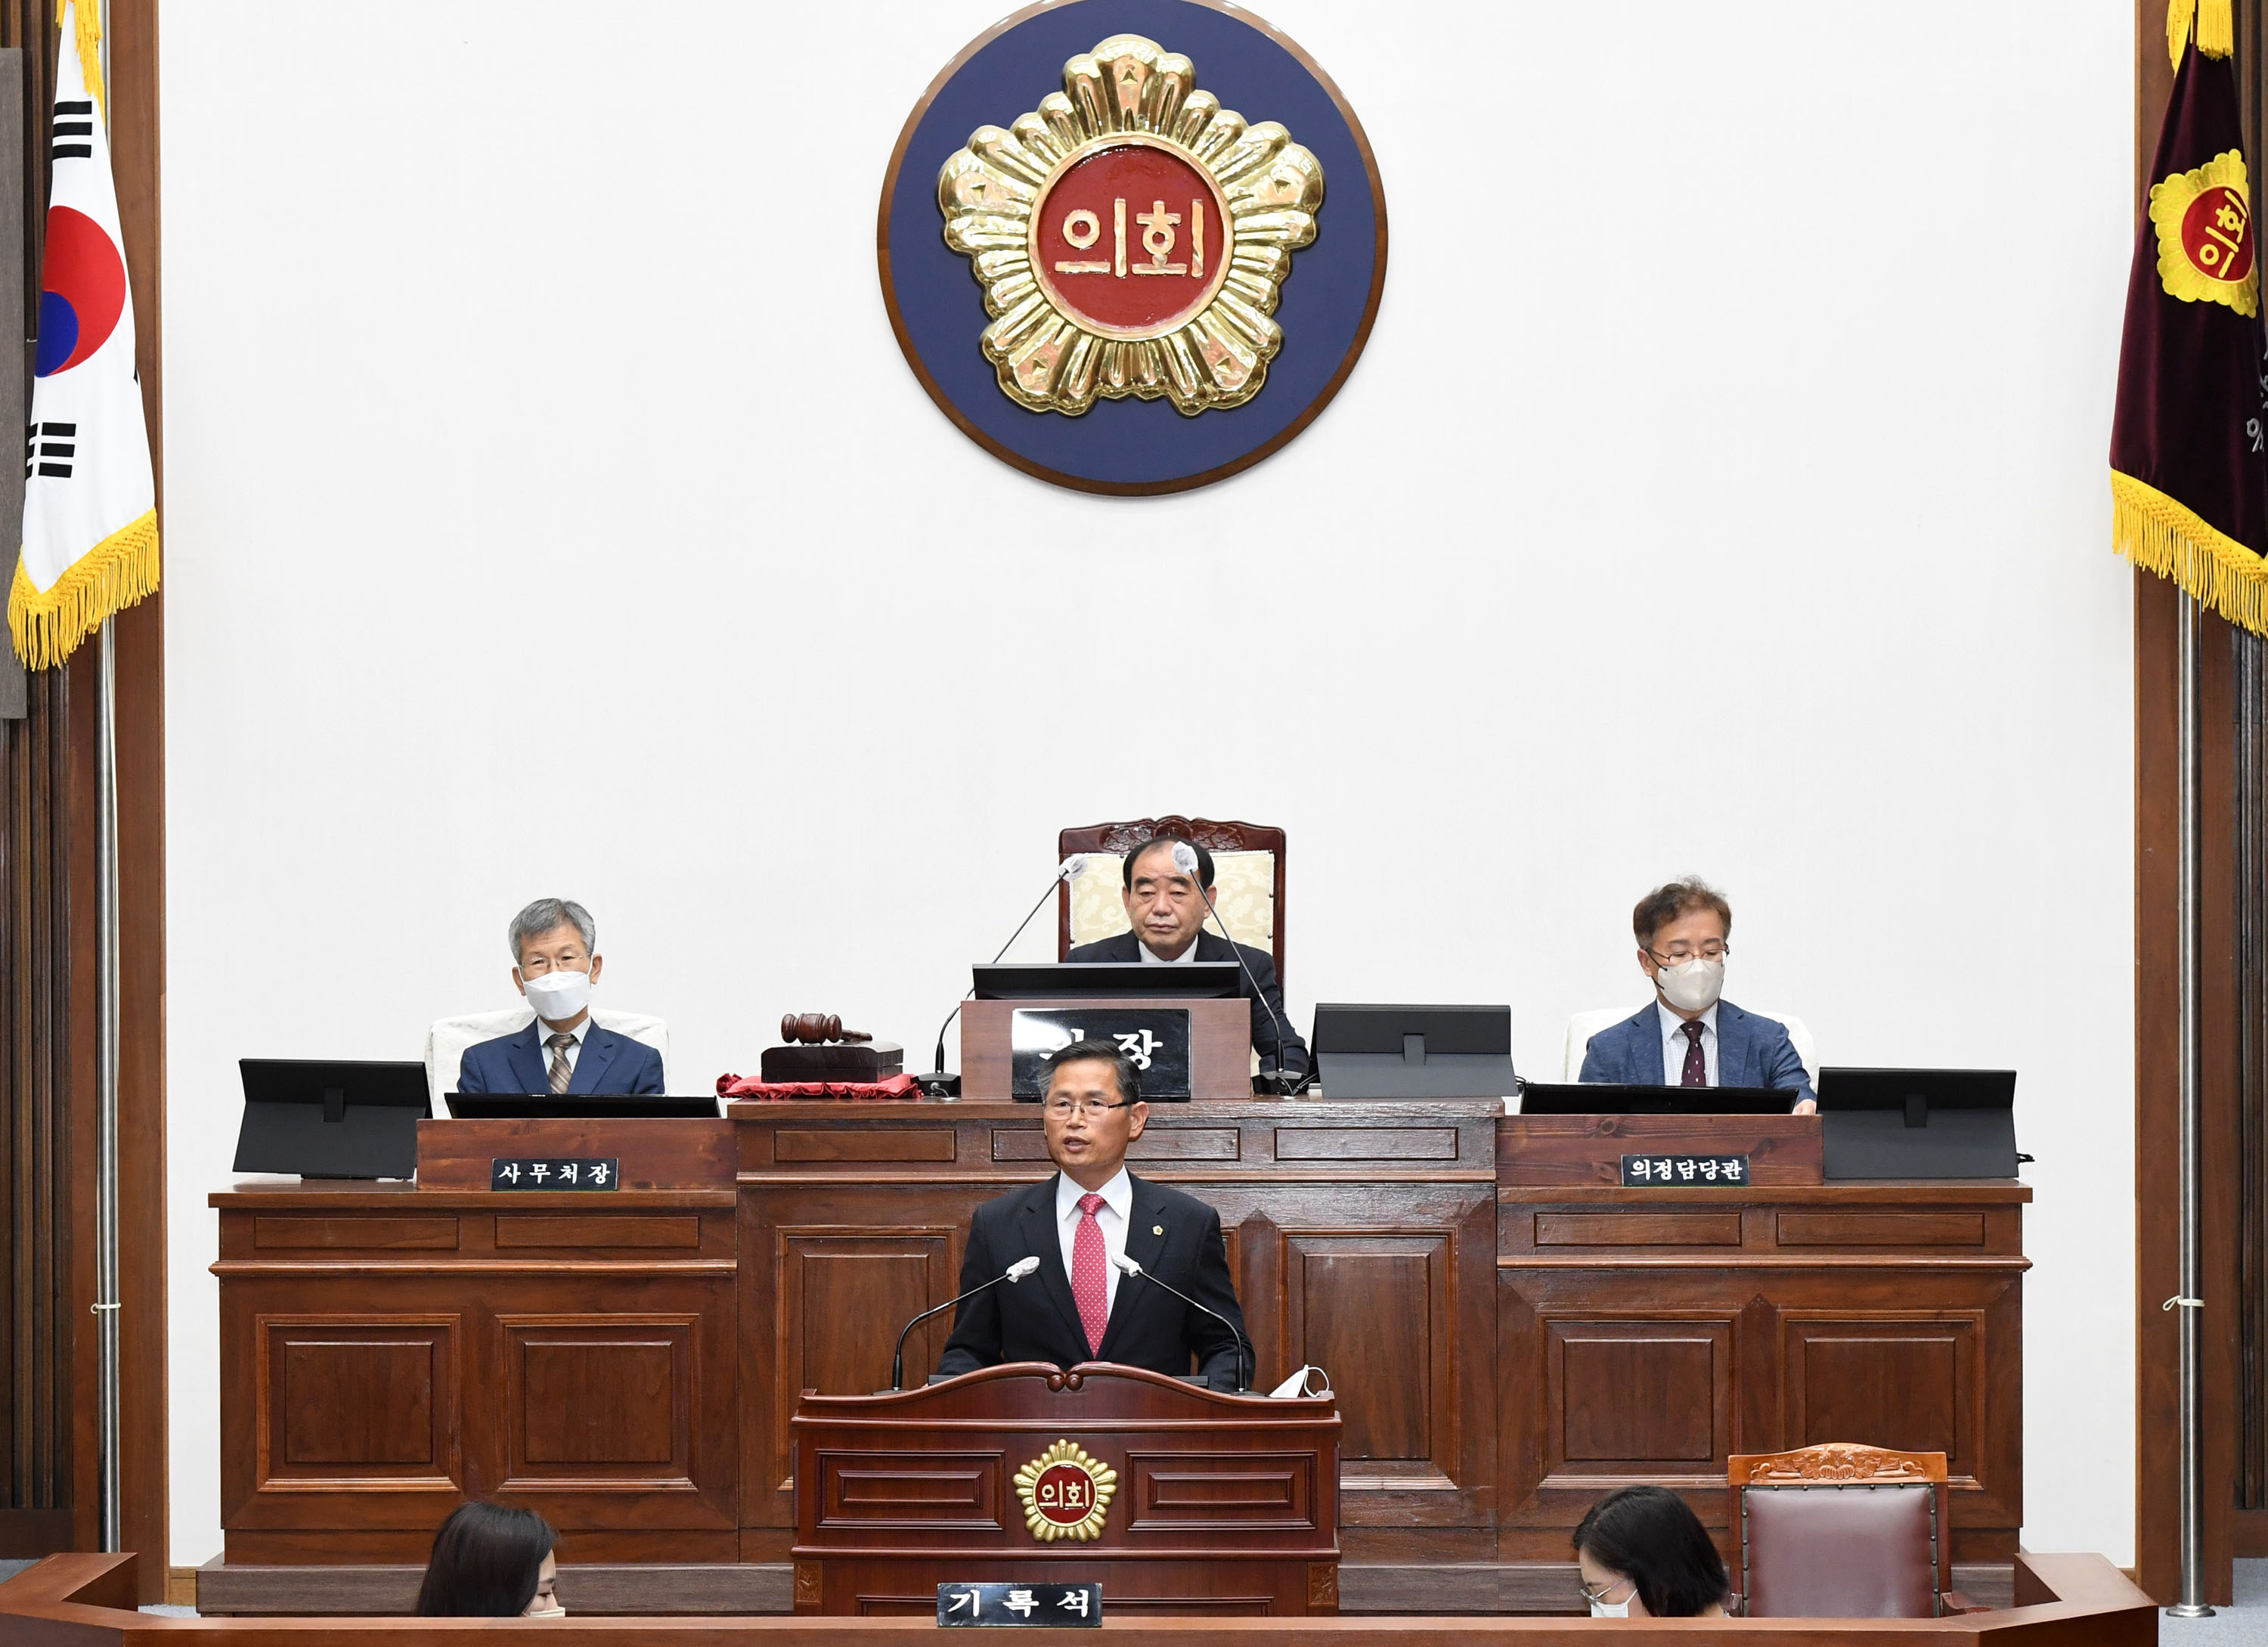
x=1113, y=1251
x=1690, y=1036
x=1166, y=911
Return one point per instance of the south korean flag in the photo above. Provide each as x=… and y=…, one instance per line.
x=90, y=542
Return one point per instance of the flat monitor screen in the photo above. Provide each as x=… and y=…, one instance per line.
x=1599, y=1097
x=1413, y=1051
x=331, y=1118
x=478, y=1106
x=1918, y=1123
x=1103, y=980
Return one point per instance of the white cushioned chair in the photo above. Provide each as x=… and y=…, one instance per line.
x=1584, y=1025
x=446, y=1041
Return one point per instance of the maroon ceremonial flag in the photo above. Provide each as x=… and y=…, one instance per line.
x=2188, y=441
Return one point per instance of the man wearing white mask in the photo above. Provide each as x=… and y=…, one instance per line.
x=1690, y=1036
x=555, y=962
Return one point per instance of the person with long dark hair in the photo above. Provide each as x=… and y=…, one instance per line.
x=492, y=1561
x=1645, y=1555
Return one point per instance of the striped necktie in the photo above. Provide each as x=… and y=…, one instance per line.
x=561, y=1074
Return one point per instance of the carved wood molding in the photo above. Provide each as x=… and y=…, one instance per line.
x=1834, y=1463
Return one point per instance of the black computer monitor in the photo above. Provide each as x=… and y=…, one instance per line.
x=331, y=1118
x=1414, y=1051
x=1100, y=980
x=1600, y=1097
x=483, y=1107
x=1918, y=1123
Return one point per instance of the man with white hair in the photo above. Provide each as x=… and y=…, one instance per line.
x=555, y=951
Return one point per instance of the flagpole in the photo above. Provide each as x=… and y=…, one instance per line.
x=106, y=1305
x=107, y=1301
x=2186, y=1303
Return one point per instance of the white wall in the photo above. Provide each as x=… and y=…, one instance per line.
x=550, y=510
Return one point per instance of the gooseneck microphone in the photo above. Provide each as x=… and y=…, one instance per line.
x=1185, y=859
x=1015, y=1271
x=1128, y=1267
x=1069, y=870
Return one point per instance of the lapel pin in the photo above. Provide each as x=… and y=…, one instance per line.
x=1157, y=1228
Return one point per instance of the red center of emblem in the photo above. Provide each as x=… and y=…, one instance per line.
x=2217, y=234
x=1131, y=239
x=1064, y=1494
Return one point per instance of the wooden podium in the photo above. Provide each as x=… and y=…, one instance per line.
x=1176, y=1500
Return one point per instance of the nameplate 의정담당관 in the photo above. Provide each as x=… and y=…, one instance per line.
x=1680, y=1171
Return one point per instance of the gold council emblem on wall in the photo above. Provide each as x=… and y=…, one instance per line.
x=1066, y=1494
x=1131, y=236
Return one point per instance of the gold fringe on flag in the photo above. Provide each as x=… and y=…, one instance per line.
x=109, y=578
x=2216, y=27
x=89, y=17
x=2161, y=536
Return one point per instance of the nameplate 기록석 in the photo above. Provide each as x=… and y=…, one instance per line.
x=1018, y=1607
x=1684, y=1172
x=553, y=1173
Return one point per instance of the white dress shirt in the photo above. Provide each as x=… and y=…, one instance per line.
x=1150, y=955
x=573, y=1049
x=1674, y=1043
x=1117, y=1207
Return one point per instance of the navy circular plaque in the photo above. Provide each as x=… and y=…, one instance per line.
x=1132, y=246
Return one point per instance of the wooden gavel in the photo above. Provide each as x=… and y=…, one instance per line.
x=812, y=1028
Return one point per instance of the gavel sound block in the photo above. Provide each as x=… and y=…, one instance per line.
x=819, y=1048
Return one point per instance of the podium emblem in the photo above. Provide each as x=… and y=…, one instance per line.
x=1066, y=1494
x=1131, y=236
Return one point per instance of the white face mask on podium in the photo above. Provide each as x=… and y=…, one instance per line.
x=1692, y=986
x=557, y=995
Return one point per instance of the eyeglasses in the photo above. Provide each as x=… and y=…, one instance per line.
x=1681, y=953
x=1598, y=1597
x=1088, y=1108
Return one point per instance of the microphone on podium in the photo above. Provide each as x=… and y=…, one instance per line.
x=1185, y=859
x=1015, y=1271
x=1127, y=1266
x=936, y=1083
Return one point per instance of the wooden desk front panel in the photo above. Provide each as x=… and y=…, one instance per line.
x=387, y=1354
x=1645, y=1338
x=1362, y=1239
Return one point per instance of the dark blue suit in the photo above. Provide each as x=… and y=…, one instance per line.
x=608, y=1063
x=1751, y=1051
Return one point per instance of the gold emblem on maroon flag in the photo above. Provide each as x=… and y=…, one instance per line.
x=1066, y=1494
x=2204, y=219
x=1131, y=236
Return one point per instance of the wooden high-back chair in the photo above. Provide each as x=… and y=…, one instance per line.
x=1247, y=875
x=1842, y=1529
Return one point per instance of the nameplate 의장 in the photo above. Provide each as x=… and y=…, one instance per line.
x=1157, y=1038
x=1684, y=1172
x=579, y=1172
x=1019, y=1606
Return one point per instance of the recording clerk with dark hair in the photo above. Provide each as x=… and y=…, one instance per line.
x=1166, y=911
x=1690, y=1036
x=555, y=946
x=1077, y=1306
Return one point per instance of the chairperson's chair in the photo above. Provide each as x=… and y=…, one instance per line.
x=1247, y=861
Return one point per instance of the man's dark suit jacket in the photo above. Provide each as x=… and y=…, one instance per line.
x=1292, y=1056
x=608, y=1063
x=1037, y=1320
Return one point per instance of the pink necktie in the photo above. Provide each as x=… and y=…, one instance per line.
x=1090, y=1279
x=1695, y=1073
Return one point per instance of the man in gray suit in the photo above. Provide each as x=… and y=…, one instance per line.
x=1690, y=1036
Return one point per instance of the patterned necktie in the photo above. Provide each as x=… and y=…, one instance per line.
x=1090, y=1275
x=561, y=1074
x=1695, y=1073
